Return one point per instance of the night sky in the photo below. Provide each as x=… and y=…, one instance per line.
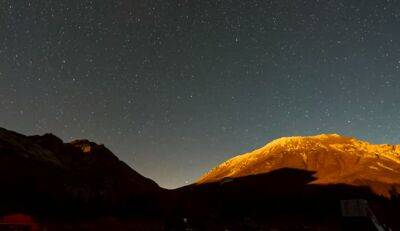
x=173, y=88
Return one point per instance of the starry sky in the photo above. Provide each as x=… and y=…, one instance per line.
x=174, y=87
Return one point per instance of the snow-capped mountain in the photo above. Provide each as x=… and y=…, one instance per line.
x=335, y=159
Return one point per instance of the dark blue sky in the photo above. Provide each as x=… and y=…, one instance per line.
x=176, y=87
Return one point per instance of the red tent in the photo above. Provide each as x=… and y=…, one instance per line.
x=18, y=220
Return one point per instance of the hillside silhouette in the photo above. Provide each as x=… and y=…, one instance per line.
x=83, y=186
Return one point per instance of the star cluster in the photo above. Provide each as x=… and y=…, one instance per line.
x=175, y=87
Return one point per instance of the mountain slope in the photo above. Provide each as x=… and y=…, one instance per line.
x=335, y=159
x=41, y=174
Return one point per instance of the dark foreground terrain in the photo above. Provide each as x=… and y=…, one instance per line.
x=50, y=185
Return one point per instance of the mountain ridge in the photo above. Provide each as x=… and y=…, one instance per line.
x=84, y=182
x=43, y=172
x=335, y=158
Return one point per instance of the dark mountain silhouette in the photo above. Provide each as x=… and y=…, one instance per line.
x=41, y=174
x=285, y=186
x=281, y=199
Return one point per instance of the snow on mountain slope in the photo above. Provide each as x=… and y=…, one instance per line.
x=334, y=158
